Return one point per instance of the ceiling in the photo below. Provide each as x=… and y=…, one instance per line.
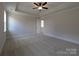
x=26, y=7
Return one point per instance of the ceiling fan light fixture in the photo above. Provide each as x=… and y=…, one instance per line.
x=40, y=5
x=39, y=8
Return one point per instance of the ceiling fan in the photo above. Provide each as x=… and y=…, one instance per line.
x=40, y=5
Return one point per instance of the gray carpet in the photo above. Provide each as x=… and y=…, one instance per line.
x=39, y=45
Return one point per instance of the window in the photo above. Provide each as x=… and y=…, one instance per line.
x=42, y=23
x=4, y=21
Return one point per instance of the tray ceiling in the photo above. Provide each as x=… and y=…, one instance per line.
x=26, y=7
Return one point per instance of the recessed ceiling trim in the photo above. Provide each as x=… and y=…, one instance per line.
x=17, y=10
x=25, y=12
x=16, y=6
x=59, y=9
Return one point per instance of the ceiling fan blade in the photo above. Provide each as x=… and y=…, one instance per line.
x=44, y=7
x=36, y=4
x=44, y=3
x=39, y=3
x=35, y=8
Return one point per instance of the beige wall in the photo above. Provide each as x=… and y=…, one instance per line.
x=38, y=25
x=21, y=25
x=2, y=37
x=63, y=25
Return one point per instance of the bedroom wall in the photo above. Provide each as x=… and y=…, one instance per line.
x=2, y=34
x=20, y=26
x=63, y=25
x=38, y=26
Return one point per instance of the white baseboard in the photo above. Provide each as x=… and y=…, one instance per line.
x=69, y=39
x=21, y=36
x=63, y=38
